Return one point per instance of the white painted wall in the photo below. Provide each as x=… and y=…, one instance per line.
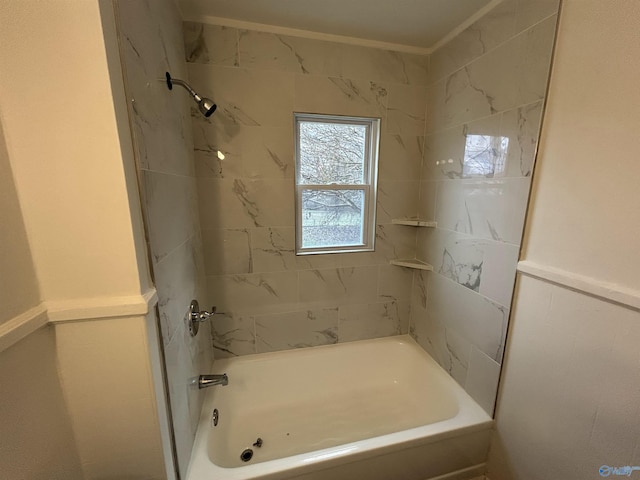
x=586, y=205
x=571, y=387
x=33, y=416
x=58, y=114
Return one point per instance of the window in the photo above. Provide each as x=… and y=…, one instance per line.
x=336, y=172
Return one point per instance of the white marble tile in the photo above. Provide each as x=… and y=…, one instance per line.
x=419, y=298
x=406, y=109
x=394, y=242
x=176, y=279
x=233, y=335
x=208, y=139
x=394, y=283
x=246, y=97
x=227, y=251
x=396, y=199
x=273, y=249
x=530, y=12
x=160, y=119
x=261, y=50
x=307, y=328
x=480, y=321
x=340, y=96
x=491, y=30
x=447, y=156
x=494, y=74
x=446, y=346
x=253, y=293
x=492, y=209
x=268, y=152
x=382, y=65
x=483, y=376
x=170, y=205
x=534, y=61
x=212, y=44
x=400, y=157
x=484, y=266
x=339, y=286
x=481, y=88
x=427, y=200
x=521, y=126
x=252, y=152
x=372, y=320
x=242, y=203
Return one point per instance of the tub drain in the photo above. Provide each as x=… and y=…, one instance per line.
x=246, y=455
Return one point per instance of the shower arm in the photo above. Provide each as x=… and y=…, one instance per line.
x=176, y=81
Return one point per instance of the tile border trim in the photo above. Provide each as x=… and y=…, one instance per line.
x=611, y=292
x=84, y=309
x=77, y=310
x=18, y=327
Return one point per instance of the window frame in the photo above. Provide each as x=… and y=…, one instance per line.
x=369, y=185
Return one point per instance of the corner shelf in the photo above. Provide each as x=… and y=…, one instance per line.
x=412, y=263
x=413, y=222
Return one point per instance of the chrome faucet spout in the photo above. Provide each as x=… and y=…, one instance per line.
x=205, y=381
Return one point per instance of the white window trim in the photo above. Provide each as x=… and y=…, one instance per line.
x=369, y=187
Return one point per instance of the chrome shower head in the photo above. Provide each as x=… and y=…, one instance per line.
x=205, y=105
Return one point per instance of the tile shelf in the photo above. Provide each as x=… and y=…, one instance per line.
x=413, y=222
x=412, y=263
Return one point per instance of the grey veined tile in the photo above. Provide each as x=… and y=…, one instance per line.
x=485, y=34
x=339, y=286
x=270, y=51
x=340, y=96
x=307, y=328
x=212, y=44
x=232, y=335
x=246, y=97
x=242, y=203
x=400, y=157
x=373, y=320
x=493, y=209
x=477, y=319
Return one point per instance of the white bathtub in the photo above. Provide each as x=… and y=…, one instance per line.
x=375, y=409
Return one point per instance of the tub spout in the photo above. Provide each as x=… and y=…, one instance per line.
x=205, y=381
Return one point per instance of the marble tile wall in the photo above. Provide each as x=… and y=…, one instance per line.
x=486, y=88
x=271, y=298
x=151, y=43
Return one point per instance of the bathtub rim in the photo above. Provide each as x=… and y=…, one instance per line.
x=471, y=418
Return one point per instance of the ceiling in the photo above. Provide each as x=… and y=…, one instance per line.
x=412, y=23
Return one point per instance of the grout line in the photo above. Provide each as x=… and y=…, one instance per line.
x=501, y=112
x=489, y=51
x=508, y=308
x=472, y=20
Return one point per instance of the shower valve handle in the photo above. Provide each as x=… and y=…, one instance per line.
x=204, y=315
x=195, y=316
